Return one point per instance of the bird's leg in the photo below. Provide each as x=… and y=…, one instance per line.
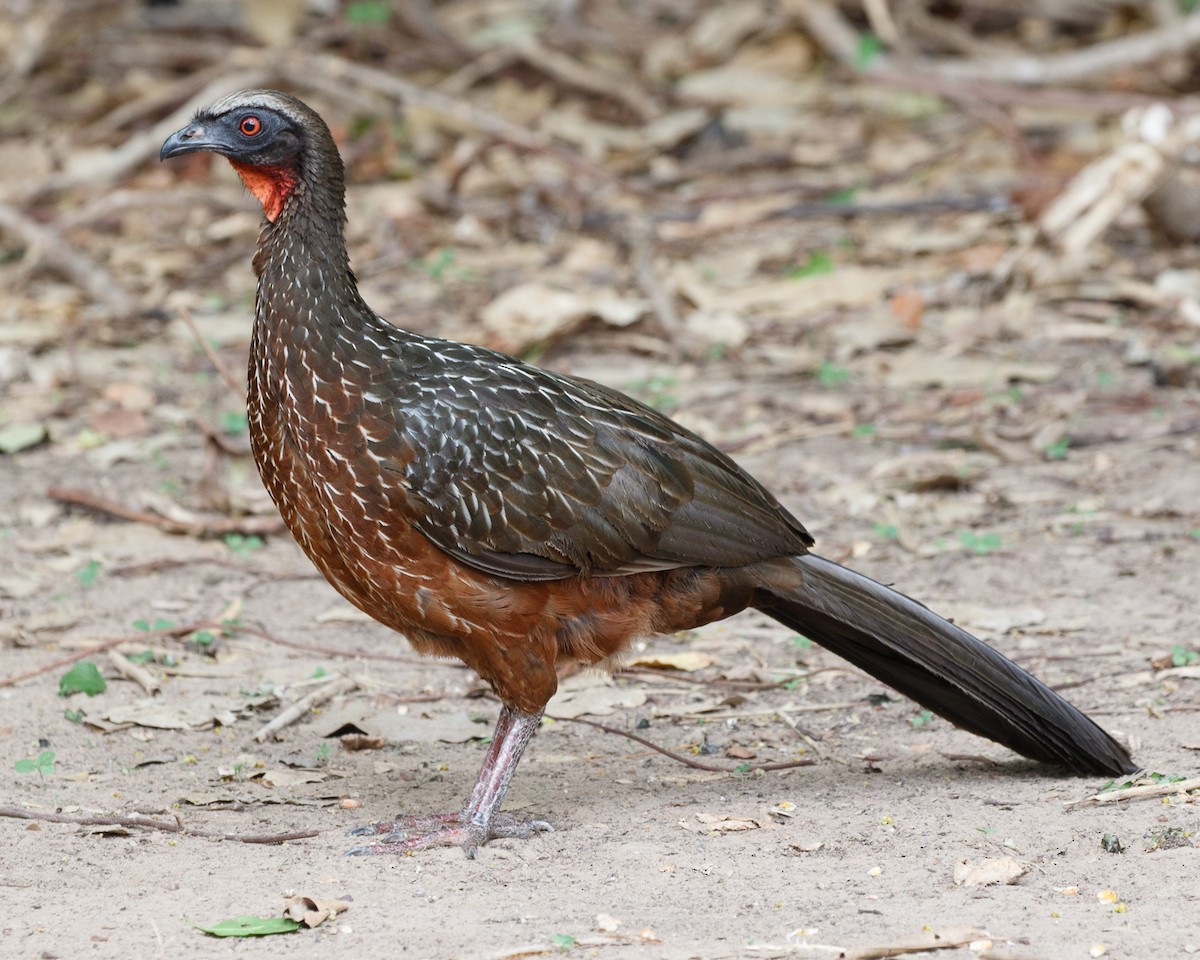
x=481, y=819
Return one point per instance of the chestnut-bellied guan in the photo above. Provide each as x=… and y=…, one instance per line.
x=514, y=518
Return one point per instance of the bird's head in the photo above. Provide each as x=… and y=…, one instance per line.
x=270, y=138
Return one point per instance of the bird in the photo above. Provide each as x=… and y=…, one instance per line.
x=519, y=519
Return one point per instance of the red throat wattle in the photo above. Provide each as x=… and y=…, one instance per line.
x=271, y=185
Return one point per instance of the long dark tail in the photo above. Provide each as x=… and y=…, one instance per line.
x=942, y=667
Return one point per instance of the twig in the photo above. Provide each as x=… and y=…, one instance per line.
x=333, y=652
x=301, y=707
x=139, y=675
x=1135, y=793
x=680, y=758
x=166, y=826
x=591, y=79
x=48, y=246
x=827, y=27
x=213, y=357
x=1148, y=46
x=102, y=647
x=108, y=164
x=304, y=71
x=213, y=527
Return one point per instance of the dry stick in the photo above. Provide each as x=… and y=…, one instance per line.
x=166, y=826
x=217, y=526
x=686, y=761
x=828, y=28
x=101, y=647
x=184, y=630
x=213, y=357
x=591, y=79
x=43, y=244
x=1134, y=793
x=311, y=69
x=103, y=165
x=332, y=652
x=302, y=706
x=132, y=671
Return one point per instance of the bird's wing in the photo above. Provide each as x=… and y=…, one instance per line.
x=529, y=475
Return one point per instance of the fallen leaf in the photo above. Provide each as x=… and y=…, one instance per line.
x=687, y=662
x=989, y=871
x=533, y=312
x=251, y=927
x=724, y=823
x=289, y=778
x=592, y=694
x=395, y=727
x=312, y=912
x=15, y=437
x=606, y=923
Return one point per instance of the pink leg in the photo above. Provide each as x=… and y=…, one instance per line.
x=480, y=821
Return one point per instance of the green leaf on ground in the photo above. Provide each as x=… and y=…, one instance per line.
x=84, y=677
x=251, y=927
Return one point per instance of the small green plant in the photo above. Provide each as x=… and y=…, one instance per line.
x=368, y=13
x=148, y=626
x=563, y=941
x=887, y=531
x=922, y=719
x=829, y=374
x=1058, y=449
x=324, y=752
x=867, y=50
x=818, y=263
x=319, y=673
x=42, y=765
x=742, y=768
x=801, y=642
x=233, y=422
x=87, y=574
x=1141, y=779
x=1181, y=656
x=243, y=544
x=84, y=677
x=863, y=430
x=74, y=716
x=656, y=391
x=980, y=543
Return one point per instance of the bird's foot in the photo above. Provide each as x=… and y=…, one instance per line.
x=408, y=834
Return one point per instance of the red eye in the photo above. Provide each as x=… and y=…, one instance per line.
x=250, y=126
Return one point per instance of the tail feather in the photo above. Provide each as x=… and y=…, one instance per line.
x=939, y=665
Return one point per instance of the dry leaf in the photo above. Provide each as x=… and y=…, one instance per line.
x=289, y=778
x=989, y=871
x=532, y=313
x=724, y=823
x=313, y=912
x=687, y=662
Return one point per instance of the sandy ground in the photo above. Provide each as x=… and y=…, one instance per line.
x=879, y=823
x=1018, y=450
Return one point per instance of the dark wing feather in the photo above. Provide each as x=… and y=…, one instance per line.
x=526, y=474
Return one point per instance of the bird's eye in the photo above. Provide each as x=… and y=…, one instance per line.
x=250, y=126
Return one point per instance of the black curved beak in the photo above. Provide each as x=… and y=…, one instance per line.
x=191, y=139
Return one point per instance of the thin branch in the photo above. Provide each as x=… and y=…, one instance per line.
x=45, y=245
x=310, y=69
x=685, y=760
x=213, y=357
x=300, y=708
x=210, y=527
x=166, y=826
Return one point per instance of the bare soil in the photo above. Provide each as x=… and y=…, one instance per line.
x=1021, y=456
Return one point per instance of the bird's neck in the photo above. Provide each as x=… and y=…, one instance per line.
x=303, y=268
